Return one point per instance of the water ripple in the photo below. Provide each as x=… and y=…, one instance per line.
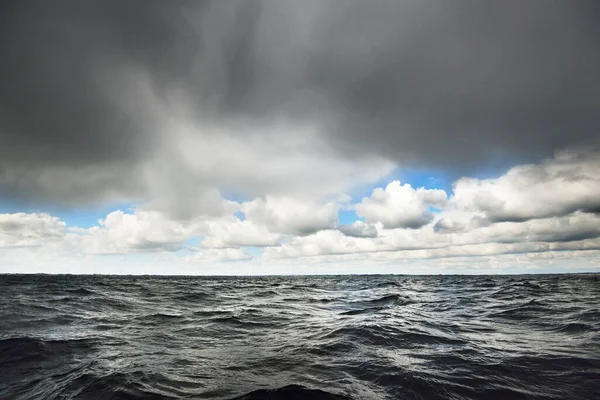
x=335, y=337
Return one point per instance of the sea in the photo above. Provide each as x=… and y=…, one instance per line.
x=313, y=337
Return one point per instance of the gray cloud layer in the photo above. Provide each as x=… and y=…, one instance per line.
x=428, y=83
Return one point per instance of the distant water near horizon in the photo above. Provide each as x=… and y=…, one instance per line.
x=357, y=337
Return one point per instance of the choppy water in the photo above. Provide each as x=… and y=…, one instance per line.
x=364, y=337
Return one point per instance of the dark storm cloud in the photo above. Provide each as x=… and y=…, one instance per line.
x=56, y=56
x=56, y=109
x=431, y=83
x=434, y=83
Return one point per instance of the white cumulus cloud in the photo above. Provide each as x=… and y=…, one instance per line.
x=140, y=231
x=401, y=205
x=29, y=229
x=231, y=232
x=290, y=215
x=564, y=184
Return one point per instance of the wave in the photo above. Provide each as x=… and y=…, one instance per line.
x=387, y=300
x=81, y=291
x=377, y=304
x=388, y=284
x=28, y=349
x=291, y=392
x=522, y=311
x=266, y=293
x=160, y=318
x=321, y=299
x=115, y=386
x=237, y=321
x=574, y=328
x=191, y=297
x=387, y=336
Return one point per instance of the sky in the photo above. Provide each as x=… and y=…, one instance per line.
x=299, y=137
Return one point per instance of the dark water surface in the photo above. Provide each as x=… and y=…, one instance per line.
x=364, y=337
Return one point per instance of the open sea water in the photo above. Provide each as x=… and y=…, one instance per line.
x=358, y=337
